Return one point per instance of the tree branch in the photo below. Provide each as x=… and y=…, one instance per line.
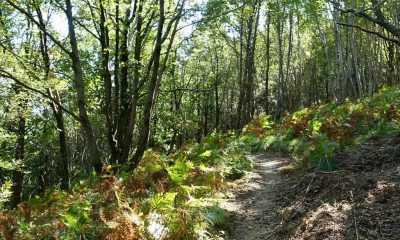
x=185, y=89
x=380, y=35
x=211, y=18
x=5, y=74
x=30, y=16
x=86, y=28
x=379, y=19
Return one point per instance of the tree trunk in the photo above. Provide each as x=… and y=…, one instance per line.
x=289, y=55
x=240, y=77
x=116, y=66
x=79, y=85
x=17, y=174
x=123, y=116
x=279, y=105
x=216, y=94
x=151, y=93
x=108, y=108
x=340, y=69
x=127, y=142
x=62, y=138
x=57, y=112
x=268, y=57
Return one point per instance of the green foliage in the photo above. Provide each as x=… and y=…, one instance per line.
x=35, y=200
x=177, y=193
x=321, y=158
x=77, y=215
x=235, y=173
x=312, y=135
x=179, y=171
x=250, y=142
x=276, y=143
x=300, y=148
x=5, y=193
x=162, y=201
x=215, y=216
x=199, y=93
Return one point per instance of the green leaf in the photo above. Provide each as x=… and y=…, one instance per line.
x=206, y=154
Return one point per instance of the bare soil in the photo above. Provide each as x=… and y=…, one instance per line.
x=359, y=201
x=253, y=204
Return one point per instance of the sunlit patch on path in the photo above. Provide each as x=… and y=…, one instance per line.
x=252, y=203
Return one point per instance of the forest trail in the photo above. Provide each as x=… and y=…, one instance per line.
x=253, y=202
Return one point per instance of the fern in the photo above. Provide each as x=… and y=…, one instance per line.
x=321, y=158
x=215, y=216
x=179, y=171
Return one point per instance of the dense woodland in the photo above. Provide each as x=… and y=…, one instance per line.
x=89, y=86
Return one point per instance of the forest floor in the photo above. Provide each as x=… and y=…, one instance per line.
x=361, y=200
x=253, y=201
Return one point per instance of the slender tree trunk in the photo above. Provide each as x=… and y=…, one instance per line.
x=279, y=105
x=43, y=173
x=151, y=93
x=299, y=79
x=79, y=85
x=240, y=77
x=57, y=112
x=108, y=109
x=17, y=174
x=249, y=67
x=248, y=74
x=257, y=8
x=127, y=142
x=216, y=84
x=205, y=117
x=354, y=54
x=329, y=83
x=116, y=64
x=289, y=56
x=123, y=116
x=340, y=76
x=268, y=57
x=62, y=138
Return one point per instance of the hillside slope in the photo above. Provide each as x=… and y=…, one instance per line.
x=359, y=201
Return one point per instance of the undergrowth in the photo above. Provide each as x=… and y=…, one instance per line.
x=167, y=197
x=313, y=135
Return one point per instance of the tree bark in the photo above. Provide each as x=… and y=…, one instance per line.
x=57, y=112
x=17, y=174
x=279, y=105
x=127, y=141
x=145, y=125
x=108, y=109
x=79, y=85
x=240, y=76
x=289, y=55
x=123, y=116
x=216, y=94
x=268, y=57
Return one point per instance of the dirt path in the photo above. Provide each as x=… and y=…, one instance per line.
x=252, y=204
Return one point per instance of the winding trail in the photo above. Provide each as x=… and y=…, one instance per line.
x=253, y=202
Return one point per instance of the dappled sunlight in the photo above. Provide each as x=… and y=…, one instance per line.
x=381, y=192
x=361, y=199
x=199, y=119
x=253, y=201
x=155, y=226
x=326, y=218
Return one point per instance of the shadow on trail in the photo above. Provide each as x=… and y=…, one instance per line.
x=253, y=206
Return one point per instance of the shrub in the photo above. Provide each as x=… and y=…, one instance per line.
x=321, y=158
